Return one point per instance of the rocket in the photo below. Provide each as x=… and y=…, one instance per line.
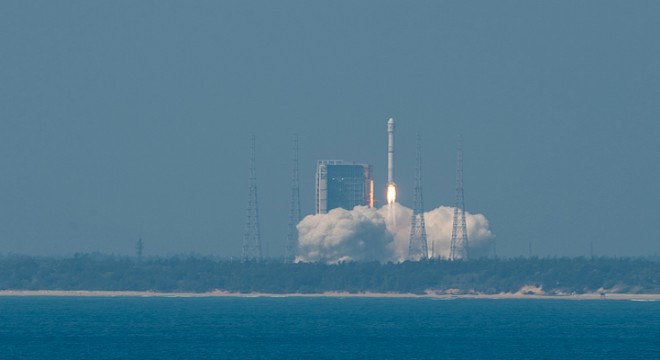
x=390, y=151
x=391, y=186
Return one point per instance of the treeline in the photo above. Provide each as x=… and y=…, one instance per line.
x=201, y=274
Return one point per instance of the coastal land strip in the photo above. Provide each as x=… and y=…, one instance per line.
x=428, y=294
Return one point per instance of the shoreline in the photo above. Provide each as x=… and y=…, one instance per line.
x=428, y=295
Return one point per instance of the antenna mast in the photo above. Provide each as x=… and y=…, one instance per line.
x=251, y=236
x=139, y=248
x=418, y=247
x=460, y=248
x=294, y=209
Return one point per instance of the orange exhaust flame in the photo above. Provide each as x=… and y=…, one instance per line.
x=391, y=194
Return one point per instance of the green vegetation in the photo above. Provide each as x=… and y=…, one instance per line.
x=201, y=274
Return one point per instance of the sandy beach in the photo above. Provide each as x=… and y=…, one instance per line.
x=430, y=295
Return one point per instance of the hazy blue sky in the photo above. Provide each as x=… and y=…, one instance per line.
x=127, y=119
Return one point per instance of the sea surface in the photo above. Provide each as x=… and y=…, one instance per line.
x=326, y=328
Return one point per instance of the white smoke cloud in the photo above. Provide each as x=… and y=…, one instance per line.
x=382, y=234
x=342, y=235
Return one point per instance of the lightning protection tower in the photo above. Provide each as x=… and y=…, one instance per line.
x=459, y=248
x=139, y=248
x=294, y=209
x=251, y=236
x=418, y=247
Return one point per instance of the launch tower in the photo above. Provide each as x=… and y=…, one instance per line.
x=294, y=209
x=459, y=248
x=418, y=247
x=251, y=236
x=341, y=184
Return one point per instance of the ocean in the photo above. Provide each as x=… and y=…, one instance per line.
x=326, y=328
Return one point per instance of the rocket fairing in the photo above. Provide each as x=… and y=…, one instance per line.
x=390, y=151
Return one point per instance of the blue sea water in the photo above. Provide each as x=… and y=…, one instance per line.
x=325, y=328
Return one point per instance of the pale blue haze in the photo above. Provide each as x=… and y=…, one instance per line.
x=128, y=119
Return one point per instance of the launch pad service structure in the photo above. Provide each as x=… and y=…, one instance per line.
x=342, y=184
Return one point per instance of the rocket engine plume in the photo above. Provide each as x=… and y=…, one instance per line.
x=391, y=194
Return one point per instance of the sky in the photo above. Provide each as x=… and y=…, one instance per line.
x=122, y=120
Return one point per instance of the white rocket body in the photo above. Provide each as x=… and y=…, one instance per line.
x=390, y=151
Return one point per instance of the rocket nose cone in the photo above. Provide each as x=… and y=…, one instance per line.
x=390, y=121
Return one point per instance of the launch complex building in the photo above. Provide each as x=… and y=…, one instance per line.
x=341, y=184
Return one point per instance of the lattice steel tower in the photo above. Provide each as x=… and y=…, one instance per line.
x=251, y=236
x=294, y=209
x=418, y=247
x=460, y=248
x=139, y=249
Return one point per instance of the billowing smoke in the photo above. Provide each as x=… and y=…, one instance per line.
x=344, y=235
x=383, y=234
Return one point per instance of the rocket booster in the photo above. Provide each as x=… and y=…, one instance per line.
x=390, y=151
x=391, y=186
